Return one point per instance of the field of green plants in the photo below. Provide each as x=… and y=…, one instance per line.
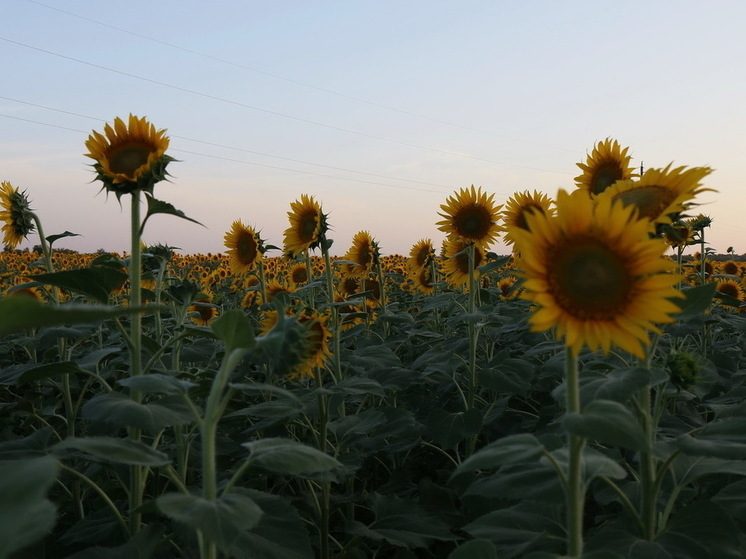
x=583, y=397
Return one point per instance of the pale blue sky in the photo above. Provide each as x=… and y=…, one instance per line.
x=380, y=109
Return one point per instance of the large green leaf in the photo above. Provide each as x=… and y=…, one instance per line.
x=111, y=450
x=448, y=429
x=97, y=282
x=538, y=482
x=401, y=522
x=26, y=515
x=508, y=450
x=221, y=520
x=50, y=370
x=474, y=549
x=607, y=422
x=723, y=438
x=517, y=530
x=157, y=383
x=234, y=329
x=156, y=206
x=20, y=313
x=702, y=530
x=280, y=533
x=287, y=456
x=141, y=546
x=119, y=410
x=696, y=301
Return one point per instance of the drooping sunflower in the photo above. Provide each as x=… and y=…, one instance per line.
x=678, y=234
x=244, y=248
x=420, y=256
x=514, y=213
x=15, y=214
x=313, y=350
x=203, y=311
x=456, y=261
x=130, y=156
x=595, y=274
x=423, y=280
x=607, y=164
x=364, y=252
x=308, y=226
x=660, y=194
x=730, y=288
x=471, y=215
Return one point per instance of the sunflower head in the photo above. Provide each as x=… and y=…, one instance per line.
x=15, y=214
x=298, y=274
x=245, y=248
x=364, y=252
x=456, y=261
x=520, y=204
x=129, y=157
x=421, y=255
x=470, y=215
x=607, y=164
x=595, y=275
x=308, y=226
x=423, y=280
x=660, y=195
x=306, y=341
x=203, y=311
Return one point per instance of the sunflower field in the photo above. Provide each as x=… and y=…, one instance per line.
x=583, y=396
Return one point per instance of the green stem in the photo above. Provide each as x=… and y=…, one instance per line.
x=137, y=486
x=336, y=363
x=323, y=403
x=575, y=486
x=647, y=468
x=472, y=331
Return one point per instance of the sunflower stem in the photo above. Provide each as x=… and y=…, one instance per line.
x=647, y=468
x=137, y=472
x=323, y=403
x=329, y=273
x=262, y=281
x=472, y=329
x=575, y=489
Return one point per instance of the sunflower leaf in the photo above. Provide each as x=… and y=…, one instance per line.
x=97, y=282
x=697, y=300
x=53, y=238
x=156, y=206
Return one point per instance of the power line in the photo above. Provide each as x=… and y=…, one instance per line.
x=223, y=146
x=294, y=81
x=275, y=113
x=310, y=173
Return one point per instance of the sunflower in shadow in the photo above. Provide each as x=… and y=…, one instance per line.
x=129, y=156
x=606, y=164
x=661, y=194
x=518, y=205
x=470, y=215
x=364, y=253
x=245, y=248
x=15, y=214
x=308, y=226
x=595, y=275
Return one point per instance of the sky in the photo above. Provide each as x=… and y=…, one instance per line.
x=380, y=109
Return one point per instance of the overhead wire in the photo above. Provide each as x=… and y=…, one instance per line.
x=274, y=113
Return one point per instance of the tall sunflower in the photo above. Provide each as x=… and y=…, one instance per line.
x=16, y=215
x=364, y=252
x=594, y=273
x=313, y=350
x=308, y=226
x=420, y=255
x=245, y=248
x=521, y=203
x=456, y=260
x=607, y=164
x=471, y=215
x=661, y=193
x=130, y=156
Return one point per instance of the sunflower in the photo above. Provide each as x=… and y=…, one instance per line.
x=594, y=273
x=507, y=287
x=514, y=214
x=607, y=164
x=420, y=256
x=16, y=215
x=456, y=261
x=678, y=235
x=307, y=226
x=314, y=347
x=470, y=215
x=660, y=193
x=423, y=280
x=348, y=285
x=364, y=252
x=731, y=288
x=129, y=156
x=203, y=311
x=298, y=274
x=731, y=268
x=245, y=248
